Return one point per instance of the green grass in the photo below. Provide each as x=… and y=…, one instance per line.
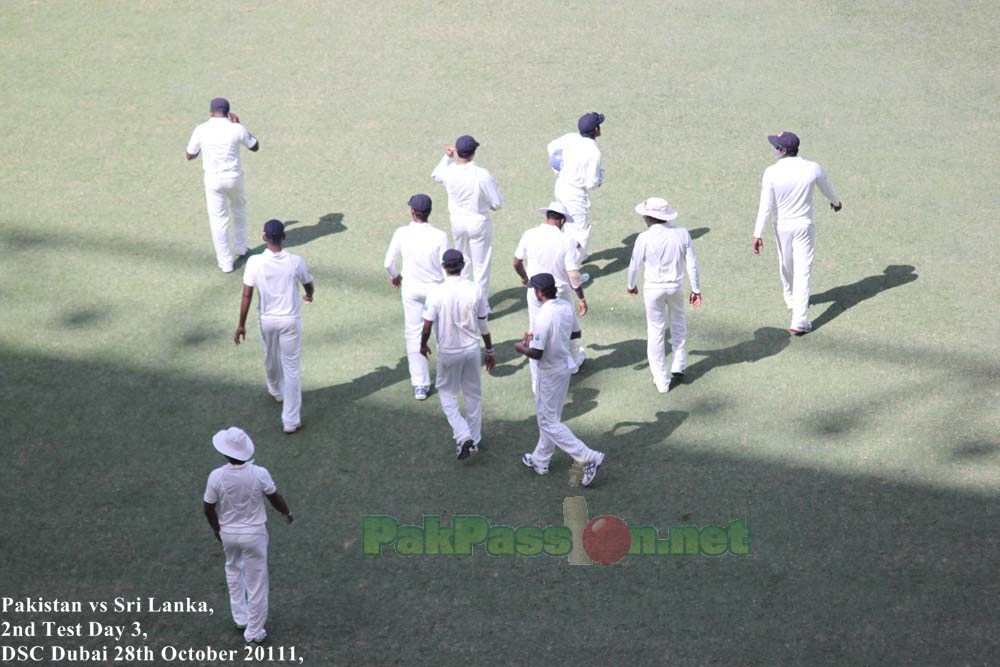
x=865, y=456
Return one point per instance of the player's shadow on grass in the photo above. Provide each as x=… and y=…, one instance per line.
x=295, y=235
x=766, y=342
x=625, y=353
x=629, y=435
x=507, y=302
x=848, y=296
x=360, y=387
x=509, y=360
x=618, y=258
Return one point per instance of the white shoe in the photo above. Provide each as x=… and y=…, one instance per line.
x=590, y=471
x=292, y=429
x=528, y=461
x=420, y=392
x=580, y=359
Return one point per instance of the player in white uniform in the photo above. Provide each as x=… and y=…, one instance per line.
x=549, y=344
x=472, y=194
x=421, y=245
x=665, y=251
x=548, y=249
x=786, y=192
x=576, y=159
x=277, y=275
x=234, y=506
x=459, y=313
x=218, y=140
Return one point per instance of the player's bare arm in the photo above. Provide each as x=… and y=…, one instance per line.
x=308, y=297
x=425, y=336
x=519, y=268
x=278, y=502
x=213, y=519
x=241, y=328
x=757, y=244
x=489, y=356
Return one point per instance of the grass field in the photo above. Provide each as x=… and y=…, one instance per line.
x=865, y=456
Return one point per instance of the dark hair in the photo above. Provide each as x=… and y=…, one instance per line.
x=454, y=269
x=549, y=292
x=465, y=155
x=791, y=152
x=555, y=215
x=590, y=135
x=421, y=215
x=235, y=462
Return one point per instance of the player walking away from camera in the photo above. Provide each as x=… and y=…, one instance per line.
x=786, y=192
x=218, y=140
x=277, y=275
x=457, y=313
x=547, y=249
x=422, y=247
x=234, y=507
x=666, y=251
x=549, y=345
x=576, y=159
x=472, y=194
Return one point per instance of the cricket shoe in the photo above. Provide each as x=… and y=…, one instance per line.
x=464, y=450
x=258, y=640
x=530, y=462
x=801, y=331
x=590, y=471
x=293, y=428
x=420, y=392
x=676, y=380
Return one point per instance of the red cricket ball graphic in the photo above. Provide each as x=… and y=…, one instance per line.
x=606, y=539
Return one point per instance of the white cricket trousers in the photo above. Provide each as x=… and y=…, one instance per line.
x=473, y=237
x=549, y=400
x=246, y=574
x=414, y=296
x=665, y=303
x=795, y=259
x=282, y=341
x=566, y=294
x=226, y=201
x=458, y=371
x=577, y=226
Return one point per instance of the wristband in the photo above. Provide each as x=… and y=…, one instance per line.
x=489, y=352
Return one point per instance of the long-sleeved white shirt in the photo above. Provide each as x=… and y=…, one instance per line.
x=581, y=165
x=218, y=140
x=787, y=190
x=472, y=190
x=666, y=251
x=422, y=248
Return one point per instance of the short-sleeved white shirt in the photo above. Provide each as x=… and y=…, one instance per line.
x=218, y=140
x=238, y=491
x=277, y=276
x=553, y=325
x=547, y=249
x=455, y=306
x=581, y=167
x=422, y=247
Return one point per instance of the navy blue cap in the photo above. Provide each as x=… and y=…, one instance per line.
x=420, y=203
x=452, y=258
x=219, y=105
x=784, y=140
x=542, y=281
x=589, y=122
x=466, y=144
x=274, y=230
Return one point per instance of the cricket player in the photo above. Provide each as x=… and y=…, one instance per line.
x=786, y=192
x=665, y=251
x=234, y=507
x=472, y=194
x=459, y=313
x=277, y=275
x=218, y=141
x=421, y=247
x=548, y=249
x=576, y=159
x=549, y=345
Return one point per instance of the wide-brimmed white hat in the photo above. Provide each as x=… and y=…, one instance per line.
x=658, y=208
x=234, y=443
x=558, y=207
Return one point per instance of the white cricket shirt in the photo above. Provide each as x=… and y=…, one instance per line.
x=581, y=167
x=472, y=190
x=277, y=276
x=666, y=251
x=554, y=324
x=422, y=248
x=219, y=141
x=238, y=491
x=455, y=307
x=787, y=191
x=547, y=249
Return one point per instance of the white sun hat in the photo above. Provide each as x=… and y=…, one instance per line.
x=556, y=206
x=658, y=208
x=234, y=443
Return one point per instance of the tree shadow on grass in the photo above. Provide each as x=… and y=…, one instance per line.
x=848, y=296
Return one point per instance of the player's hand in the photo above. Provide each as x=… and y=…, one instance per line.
x=695, y=299
x=524, y=282
x=527, y=337
x=449, y=151
x=836, y=207
x=426, y=351
x=758, y=243
x=490, y=361
x=581, y=307
x=397, y=281
x=233, y=118
x=308, y=298
x=218, y=536
x=288, y=518
x=632, y=290
x=241, y=334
